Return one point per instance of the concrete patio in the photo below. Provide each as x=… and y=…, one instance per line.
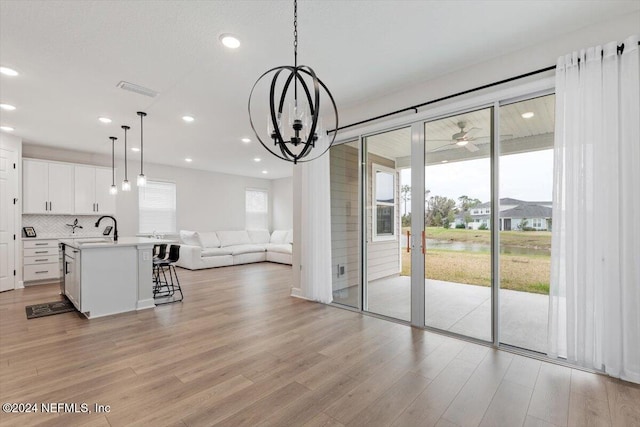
x=463, y=309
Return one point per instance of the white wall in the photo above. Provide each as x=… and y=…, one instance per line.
x=205, y=200
x=282, y=204
x=533, y=58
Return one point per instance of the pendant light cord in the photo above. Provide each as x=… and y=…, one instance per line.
x=295, y=49
x=125, y=155
x=113, y=162
x=141, y=147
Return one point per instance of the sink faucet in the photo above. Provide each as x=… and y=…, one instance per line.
x=115, y=226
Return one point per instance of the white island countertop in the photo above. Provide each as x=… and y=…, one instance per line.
x=90, y=243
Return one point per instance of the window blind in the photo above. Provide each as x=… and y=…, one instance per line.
x=157, y=207
x=256, y=209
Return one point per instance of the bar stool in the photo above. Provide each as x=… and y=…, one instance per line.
x=159, y=254
x=167, y=287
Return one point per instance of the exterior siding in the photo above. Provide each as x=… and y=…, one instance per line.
x=344, y=216
x=383, y=257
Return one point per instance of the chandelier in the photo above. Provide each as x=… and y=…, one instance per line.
x=305, y=131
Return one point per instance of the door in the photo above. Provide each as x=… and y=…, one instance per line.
x=105, y=202
x=388, y=264
x=35, y=187
x=85, y=188
x=61, y=186
x=71, y=276
x=8, y=180
x=458, y=216
x=507, y=224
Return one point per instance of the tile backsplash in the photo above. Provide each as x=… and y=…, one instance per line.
x=56, y=225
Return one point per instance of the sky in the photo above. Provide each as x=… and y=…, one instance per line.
x=526, y=176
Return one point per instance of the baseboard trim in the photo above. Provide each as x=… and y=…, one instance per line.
x=145, y=304
x=297, y=293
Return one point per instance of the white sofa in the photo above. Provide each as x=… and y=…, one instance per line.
x=210, y=249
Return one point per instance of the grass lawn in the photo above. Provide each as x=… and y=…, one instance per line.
x=521, y=273
x=522, y=239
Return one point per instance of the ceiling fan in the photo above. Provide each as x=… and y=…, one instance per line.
x=463, y=138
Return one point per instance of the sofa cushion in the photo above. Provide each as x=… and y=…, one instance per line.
x=215, y=252
x=231, y=238
x=245, y=249
x=283, y=248
x=209, y=239
x=189, y=238
x=278, y=236
x=289, y=238
x=259, y=236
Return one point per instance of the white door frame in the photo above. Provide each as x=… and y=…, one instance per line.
x=13, y=201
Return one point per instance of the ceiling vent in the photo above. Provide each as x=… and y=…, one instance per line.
x=137, y=89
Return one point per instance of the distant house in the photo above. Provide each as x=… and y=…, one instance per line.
x=514, y=215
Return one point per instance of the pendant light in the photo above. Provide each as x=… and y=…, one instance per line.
x=126, y=186
x=142, y=180
x=114, y=188
x=305, y=133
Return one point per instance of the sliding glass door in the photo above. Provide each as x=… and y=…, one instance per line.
x=446, y=223
x=457, y=224
x=388, y=268
x=526, y=177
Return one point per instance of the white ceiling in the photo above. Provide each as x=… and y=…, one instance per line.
x=71, y=55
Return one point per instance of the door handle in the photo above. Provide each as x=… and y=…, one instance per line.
x=66, y=267
x=97, y=207
x=408, y=241
x=424, y=243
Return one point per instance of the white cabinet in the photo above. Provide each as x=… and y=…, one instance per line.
x=72, y=276
x=92, y=191
x=40, y=260
x=47, y=188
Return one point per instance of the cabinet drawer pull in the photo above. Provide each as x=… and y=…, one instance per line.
x=97, y=207
x=41, y=244
x=41, y=252
x=40, y=272
x=43, y=259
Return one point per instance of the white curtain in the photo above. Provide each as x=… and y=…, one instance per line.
x=315, y=227
x=594, y=313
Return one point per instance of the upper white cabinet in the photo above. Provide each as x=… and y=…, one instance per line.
x=47, y=188
x=92, y=191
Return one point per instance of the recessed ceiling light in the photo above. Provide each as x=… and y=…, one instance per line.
x=245, y=140
x=136, y=149
x=230, y=41
x=6, y=128
x=188, y=160
x=8, y=71
x=265, y=172
x=528, y=115
x=445, y=161
x=7, y=107
x=188, y=119
x=257, y=159
x=104, y=119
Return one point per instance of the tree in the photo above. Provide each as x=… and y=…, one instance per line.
x=438, y=209
x=467, y=203
x=405, y=192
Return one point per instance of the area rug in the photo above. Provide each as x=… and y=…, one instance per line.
x=49, y=309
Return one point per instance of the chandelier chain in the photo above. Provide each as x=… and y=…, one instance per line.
x=295, y=33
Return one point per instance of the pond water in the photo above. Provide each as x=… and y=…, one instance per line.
x=478, y=247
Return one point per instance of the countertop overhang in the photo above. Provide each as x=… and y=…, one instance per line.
x=91, y=243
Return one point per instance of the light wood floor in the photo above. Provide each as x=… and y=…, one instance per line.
x=240, y=352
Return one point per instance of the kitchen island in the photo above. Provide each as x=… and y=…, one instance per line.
x=103, y=277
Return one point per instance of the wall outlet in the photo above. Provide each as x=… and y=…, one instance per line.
x=340, y=270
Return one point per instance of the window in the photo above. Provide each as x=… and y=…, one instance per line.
x=384, y=188
x=257, y=209
x=157, y=207
x=537, y=223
